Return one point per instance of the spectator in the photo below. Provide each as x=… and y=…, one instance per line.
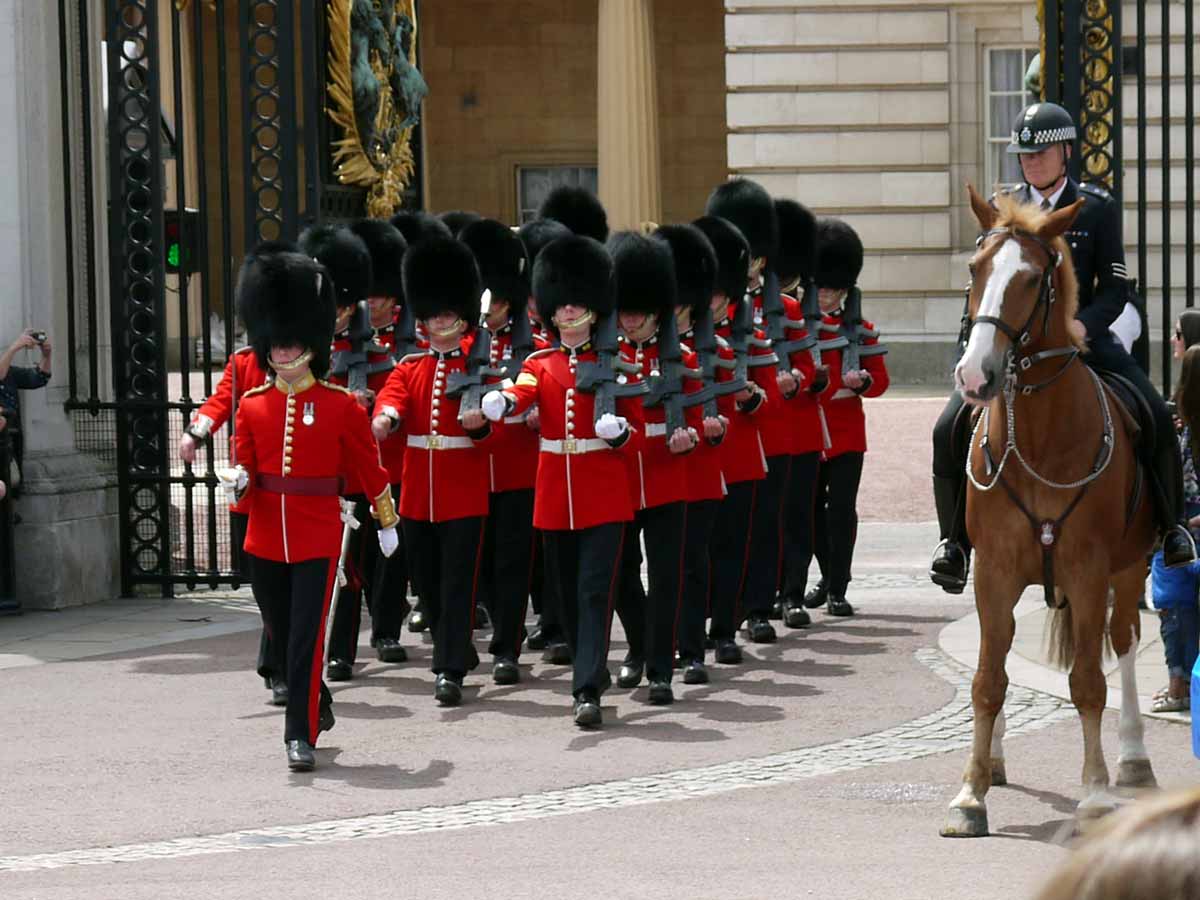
x=1147, y=850
x=20, y=378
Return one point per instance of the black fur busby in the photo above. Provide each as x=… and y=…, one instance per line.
x=695, y=264
x=387, y=247
x=417, y=226
x=345, y=256
x=578, y=209
x=747, y=205
x=643, y=274
x=839, y=255
x=440, y=275
x=503, y=264
x=458, y=219
x=797, y=241
x=733, y=255
x=286, y=297
x=537, y=234
x=573, y=269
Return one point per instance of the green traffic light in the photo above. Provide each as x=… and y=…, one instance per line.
x=173, y=255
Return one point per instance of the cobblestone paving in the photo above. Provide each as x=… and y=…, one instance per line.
x=944, y=730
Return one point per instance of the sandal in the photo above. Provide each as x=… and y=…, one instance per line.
x=1171, y=704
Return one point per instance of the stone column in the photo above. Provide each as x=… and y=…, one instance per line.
x=630, y=187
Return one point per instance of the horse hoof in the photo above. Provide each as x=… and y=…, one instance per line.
x=999, y=776
x=965, y=821
x=1135, y=773
x=1094, y=808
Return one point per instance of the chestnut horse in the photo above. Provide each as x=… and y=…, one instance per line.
x=1053, y=499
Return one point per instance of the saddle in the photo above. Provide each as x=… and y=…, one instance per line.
x=1135, y=412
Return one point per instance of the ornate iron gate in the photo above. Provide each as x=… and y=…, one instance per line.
x=1104, y=69
x=213, y=115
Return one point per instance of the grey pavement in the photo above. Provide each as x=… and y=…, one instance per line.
x=142, y=760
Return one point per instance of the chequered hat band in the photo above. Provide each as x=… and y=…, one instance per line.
x=1027, y=136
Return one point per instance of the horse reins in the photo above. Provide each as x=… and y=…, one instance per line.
x=1045, y=531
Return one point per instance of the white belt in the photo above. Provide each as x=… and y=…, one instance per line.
x=440, y=442
x=571, y=446
x=514, y=420
x=843, y=394
x=656, y=429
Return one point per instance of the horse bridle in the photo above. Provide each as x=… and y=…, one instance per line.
x=1019, y=338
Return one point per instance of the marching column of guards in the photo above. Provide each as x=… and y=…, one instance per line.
x=554, y=409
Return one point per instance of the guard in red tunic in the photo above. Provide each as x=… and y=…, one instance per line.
x=444, y=497
x=645, y=299
x=696, y=278
x=295, y=439
x=513, y=450
x=743, y=462
x=857, y=370
x=588, y=425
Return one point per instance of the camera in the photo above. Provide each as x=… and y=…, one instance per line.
x=39, y=336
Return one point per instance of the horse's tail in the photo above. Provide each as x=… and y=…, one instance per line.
x=1061, y=636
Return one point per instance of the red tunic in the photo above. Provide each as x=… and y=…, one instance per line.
x=446, y=474
x=308, y=431
x=575, y=490
x=800, y=415
x=242, y=373
x=842, y=408
x=743, y=457
x=656, y=475
x=705, y=479
x=391, y=452
x=513, y=449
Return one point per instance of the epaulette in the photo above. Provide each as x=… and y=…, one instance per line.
x=332, y=386
x=537, y=354
x=246, y=349
x=409, y=357
x=1095, y=190
x=258, y=390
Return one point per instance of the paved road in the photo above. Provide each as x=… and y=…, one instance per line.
x=819, y=768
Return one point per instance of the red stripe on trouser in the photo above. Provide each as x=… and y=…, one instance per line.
x=612, y=592
x=318, y=660
x=741, y=590
x=679, y=595
x=525, y=603
x=783, y=509
x=475, y=578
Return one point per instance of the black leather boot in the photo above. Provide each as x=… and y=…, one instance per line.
x=952, y=558
x=1166, y=477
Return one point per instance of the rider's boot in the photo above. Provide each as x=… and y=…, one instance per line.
x=1178, y=549
x=952, y=558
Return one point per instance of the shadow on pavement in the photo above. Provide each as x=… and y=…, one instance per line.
x=373, y=776
x=1056, y=831
x=644, y=726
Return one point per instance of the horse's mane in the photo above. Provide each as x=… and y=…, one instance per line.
x=1028, y=218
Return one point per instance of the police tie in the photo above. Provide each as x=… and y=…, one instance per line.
x=1045, y=203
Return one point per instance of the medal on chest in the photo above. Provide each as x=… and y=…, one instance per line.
x=309, y=413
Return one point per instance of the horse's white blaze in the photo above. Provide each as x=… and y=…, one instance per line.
x=969, y=374
x=1130, y=730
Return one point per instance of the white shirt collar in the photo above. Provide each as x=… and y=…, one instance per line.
x=1038, y=197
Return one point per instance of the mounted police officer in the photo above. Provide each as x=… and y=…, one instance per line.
x=1042, y=137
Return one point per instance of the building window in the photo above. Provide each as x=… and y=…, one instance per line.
x=1006, y=96
x=534, y=183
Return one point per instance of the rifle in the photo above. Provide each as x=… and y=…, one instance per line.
x=773, y=313
x=811, y=309
x=705, y=345
x=742, y=338
x=600, y=377
x=666, y=387
x=406, y=335
x=855, y=334
x=355, y=363
x=470, y=386
x=522, y=345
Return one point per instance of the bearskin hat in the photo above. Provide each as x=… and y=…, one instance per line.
x=503, y=264
x=733, y=255
x=458, y=219
x=797, y=241
x=440, y=275
x=643, y=273
x=839, y=255
x=286, y=297
x=747, y=205
x=416, y=226
x=578, y=209
x=387, y=247
x=695, y=264
x=345, y=256
x=537, y=234
x=573, y=269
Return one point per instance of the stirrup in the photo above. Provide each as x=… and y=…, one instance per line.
x=955, y=581
x=1182, y=560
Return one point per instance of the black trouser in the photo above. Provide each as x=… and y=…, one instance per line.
x=508, y=542
x=444, y=558
x=650, y=617
x=729, y=552
x=697, y=576
x=836, y=520
x=269, y=662
x=799, y=509
x=584, y=565
x=358, y=568
x=766, y=540
x=294, y=601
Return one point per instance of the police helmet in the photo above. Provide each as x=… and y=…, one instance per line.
x=1039, y=126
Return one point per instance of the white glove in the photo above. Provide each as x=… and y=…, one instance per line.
x=611, y=427
x=233, y=481
x=494, y=405
x=388, y=540
x=347, y=515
